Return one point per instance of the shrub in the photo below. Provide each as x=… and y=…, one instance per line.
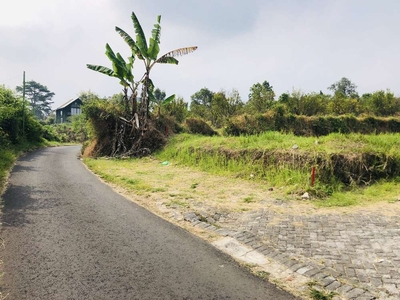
x=309, y=126
x=198, y=126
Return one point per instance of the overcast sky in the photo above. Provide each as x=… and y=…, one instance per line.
x=293, y=44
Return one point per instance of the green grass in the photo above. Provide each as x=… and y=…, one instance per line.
x=272, y=140
x=232, y=156
x=177, y=203
x=289, y=177
x=249, y=199
x=8, y=156
x=381, y=191
x=136, y=184
x=319, y=295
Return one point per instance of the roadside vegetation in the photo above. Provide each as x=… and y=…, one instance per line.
x=19, y=130
x=351, y=141
x=22, y=128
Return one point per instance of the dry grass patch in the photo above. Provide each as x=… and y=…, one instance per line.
x=183, y=187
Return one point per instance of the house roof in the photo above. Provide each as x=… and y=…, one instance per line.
x=67, y=103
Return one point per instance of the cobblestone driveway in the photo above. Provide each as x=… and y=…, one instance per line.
x=354, y=253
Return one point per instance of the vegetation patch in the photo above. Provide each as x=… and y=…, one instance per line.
x=198, y=126
x=7, y=158
x=309, y=125
x=352, y=166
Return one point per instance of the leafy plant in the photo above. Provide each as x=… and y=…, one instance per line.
x=131, y=128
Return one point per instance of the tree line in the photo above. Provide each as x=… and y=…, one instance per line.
x=218, y=107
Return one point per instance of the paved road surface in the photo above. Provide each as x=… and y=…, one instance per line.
x=68, y=236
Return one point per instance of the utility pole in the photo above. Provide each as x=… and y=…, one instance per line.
x=23, y=105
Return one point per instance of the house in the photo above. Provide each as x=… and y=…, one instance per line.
x=71, y=108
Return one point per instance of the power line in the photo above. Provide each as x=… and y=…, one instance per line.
x=1, y=81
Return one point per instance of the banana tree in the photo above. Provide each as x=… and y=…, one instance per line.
x=148, y=53
x=138, y=118
x=121, y=70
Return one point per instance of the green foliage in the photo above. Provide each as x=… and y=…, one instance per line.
x=39, y=97
x=380, y=103
x=177, y=108
x=261, y=98
x=198, y=126
x=215, y=108
x=299, y=103
x=17, y=126
x=200, y=105
x=7, y=158
x=317, y=294
x=19, y=131
x=308, y=126
x=384, y=103
x=344, y=87
x=124, y=133
x=360, y=166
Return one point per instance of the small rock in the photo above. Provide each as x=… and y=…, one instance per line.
x=305, y=196
x=217, y=216
x=190, y=216
x=295, y=147
x=270, y=189
x=210, y=220
x=251, y=175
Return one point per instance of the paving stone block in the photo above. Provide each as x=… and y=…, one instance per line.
x=312, y=272
x=333, y=286
x=296, y=267
x=327, y=281
x=354, y=293
x=319, y=276
x=391, y=288
x=303, y=270
x=344, y=288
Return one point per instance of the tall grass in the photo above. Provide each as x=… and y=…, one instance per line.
x=234, y=156
x=7, y=158
x=9, y=154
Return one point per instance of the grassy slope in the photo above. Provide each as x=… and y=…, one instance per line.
x=146, y=179
x=294, y=181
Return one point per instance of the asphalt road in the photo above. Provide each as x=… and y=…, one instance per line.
x=69, y=236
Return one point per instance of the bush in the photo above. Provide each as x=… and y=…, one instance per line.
x=309, y=126
x=168, y=125
x=198, y=126
x=16, y=125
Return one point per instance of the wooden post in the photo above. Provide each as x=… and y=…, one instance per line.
x=313, y=176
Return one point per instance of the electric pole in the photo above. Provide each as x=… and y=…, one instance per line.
x=23, y=105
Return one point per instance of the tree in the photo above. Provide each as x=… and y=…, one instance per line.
x=344, y=86
x=261, y=97
x=159, y=100
x=299, y=103
x=15, y=126
x=384, y=103
x=39, y=97
x=201, y=103
x=177, y=108
x=136, y=113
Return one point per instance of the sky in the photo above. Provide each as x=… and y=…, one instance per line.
x=293, y=44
